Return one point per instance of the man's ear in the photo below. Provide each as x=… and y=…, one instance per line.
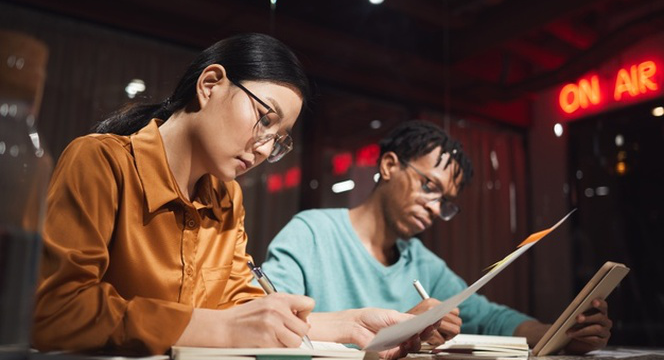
x=388, y=164
x=211, y=76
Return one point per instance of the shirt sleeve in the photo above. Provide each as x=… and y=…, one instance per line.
x=287, y=257
x=239, y=289
x=479, y=315
x=75, y=308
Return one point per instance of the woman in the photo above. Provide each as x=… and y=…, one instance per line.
x=144, y=242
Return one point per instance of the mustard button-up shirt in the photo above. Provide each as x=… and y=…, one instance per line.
x=126, y=257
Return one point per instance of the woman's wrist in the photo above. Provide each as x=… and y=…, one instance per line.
x=338, y=326
x=204, y=330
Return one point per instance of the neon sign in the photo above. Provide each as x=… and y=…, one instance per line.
x=288, y=180
x=637, y=81
x=630, y=82
x=366, y=156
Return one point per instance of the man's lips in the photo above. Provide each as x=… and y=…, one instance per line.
x=423, y=221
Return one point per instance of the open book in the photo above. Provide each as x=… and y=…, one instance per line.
x=480, y=347
x=322, y=350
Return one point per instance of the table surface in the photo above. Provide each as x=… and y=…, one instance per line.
x=613, y=352
x=609, y=353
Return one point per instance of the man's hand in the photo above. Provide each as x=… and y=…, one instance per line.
x=450, y=324
x=359, y=326
x=371, y=320
x=592, y=330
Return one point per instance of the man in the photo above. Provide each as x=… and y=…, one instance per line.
x=367, y=256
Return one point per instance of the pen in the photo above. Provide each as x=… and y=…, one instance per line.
x=269, y=288
x=420, y=289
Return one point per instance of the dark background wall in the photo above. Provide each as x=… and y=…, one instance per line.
x=522, y=181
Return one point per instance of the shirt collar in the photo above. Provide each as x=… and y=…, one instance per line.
x=158, y=182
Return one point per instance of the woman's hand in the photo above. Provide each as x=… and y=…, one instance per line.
x=277, y=320
x=450, y=324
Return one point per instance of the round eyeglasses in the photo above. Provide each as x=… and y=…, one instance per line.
x=282, y=143
x=447, y=208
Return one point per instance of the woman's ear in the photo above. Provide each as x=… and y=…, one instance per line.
x=211, y=76
x=388, y=163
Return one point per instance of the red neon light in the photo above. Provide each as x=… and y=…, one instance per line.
x=292, y=177
x=274, y=183
x=367, y=155
x=341, y=163
x=637, y=81
x=631, y=81
x=573, y=96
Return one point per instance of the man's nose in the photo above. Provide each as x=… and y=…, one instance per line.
x=433, y=206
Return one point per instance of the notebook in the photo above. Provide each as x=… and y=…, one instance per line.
x=600, y=286
x=322, y=350
x=480, y=347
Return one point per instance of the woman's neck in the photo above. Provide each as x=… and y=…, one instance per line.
x=180, y=154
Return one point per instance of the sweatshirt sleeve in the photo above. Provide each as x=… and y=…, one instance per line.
x=288, y=257
x=479, y=315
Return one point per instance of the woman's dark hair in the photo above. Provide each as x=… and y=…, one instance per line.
x=415, y=138
x=246, y=57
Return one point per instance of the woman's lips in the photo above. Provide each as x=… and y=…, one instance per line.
x=245, y=164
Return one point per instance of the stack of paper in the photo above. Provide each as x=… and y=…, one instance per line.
x=322, y=350
x=483, y=347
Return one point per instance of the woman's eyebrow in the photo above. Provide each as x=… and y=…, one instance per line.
x=276, y=107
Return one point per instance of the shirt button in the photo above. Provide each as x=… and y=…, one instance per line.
x=191, y=223
x=190, y=271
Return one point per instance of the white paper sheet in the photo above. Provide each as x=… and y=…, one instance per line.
x=394, y=335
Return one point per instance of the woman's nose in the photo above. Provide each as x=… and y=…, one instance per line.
x=264, y=149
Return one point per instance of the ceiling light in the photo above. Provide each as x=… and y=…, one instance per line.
x=602, y=191
x=135, y=86
x=376, y=2
x=494, y=159
x=313, y=184
x=343, y=186
x=558, y=130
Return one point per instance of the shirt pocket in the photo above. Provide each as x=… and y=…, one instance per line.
x=215, y=280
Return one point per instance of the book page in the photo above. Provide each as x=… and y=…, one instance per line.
x=321, y=349
x=518, y=342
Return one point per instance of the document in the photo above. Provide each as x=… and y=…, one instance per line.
x=394, y=335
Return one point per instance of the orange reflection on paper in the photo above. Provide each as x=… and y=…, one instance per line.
x=533, y=238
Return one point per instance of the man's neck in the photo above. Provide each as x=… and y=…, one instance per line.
x=368, y=221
